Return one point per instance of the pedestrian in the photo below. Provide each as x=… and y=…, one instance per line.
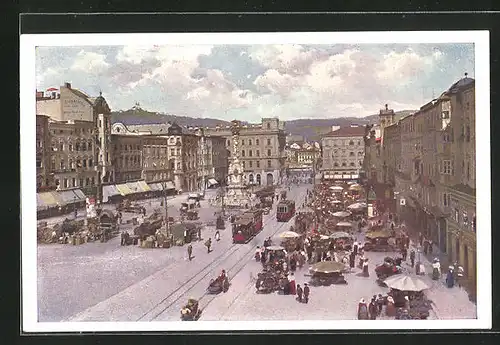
x=199, y=234
x=404, y=252
x=306, y=293
x=362, y=310
x=426, y=247
x=217, y=236
x=412, y=258
x=355, y=247
x=293, y=287
x=390, y=309
x=208, y=243
x=365, y=268
x=352, y=258
x=430, y=247
x=380, y=303
x=190, y=252
x=420, y=238
x=299, y=293
x=372, y=309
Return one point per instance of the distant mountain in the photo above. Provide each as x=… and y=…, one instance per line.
x=310, y=129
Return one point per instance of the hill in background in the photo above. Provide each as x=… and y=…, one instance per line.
x=311, y=129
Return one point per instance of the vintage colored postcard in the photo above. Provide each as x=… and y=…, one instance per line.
x=255, y=181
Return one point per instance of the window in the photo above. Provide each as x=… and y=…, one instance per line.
x=269, y=142
x=344, y=164
x=90, y=163
x=257, y=153
x=359, y=142
x=446, y=138
x=456, y=215
x=447, y=167
x=93, y=180
x=242, y=153
x=250, y=154
x=65, y=183
x=269, y=163
x=351, y=142
x=269, y=153
x=351, y=154
x=352, y=164
x=70, y=147
x=250, y=164
x=73, y=182
x=446, y=201
x=360, y=163
x=89, y=146
x=257, y=142
x=258, y=164
x=228, y=142
x=335, y=164
x=81, y=182
x=244, y=164
x=250, y=142
x=268, y=125
x=100, y=123
x=242, y=142
x=445, y=114
x=84, y=163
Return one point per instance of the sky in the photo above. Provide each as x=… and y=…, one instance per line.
x=248, y=82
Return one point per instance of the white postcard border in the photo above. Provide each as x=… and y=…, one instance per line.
x=28, y=44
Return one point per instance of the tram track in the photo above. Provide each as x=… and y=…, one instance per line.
x=248, y=253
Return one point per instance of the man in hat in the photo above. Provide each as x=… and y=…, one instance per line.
x=355, y=247
x=208, y=243
x=362, y=310
x=299, y=293
x=306, y=292
x=412, y=258
x=372, y=309
x=190, y=251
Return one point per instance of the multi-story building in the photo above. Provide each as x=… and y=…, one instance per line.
x=302, y=158
x=343, y=152
x=262, y=150
x=44, y=179
x=212, y=159
x=128, y=157
x=80, y=134
x=435, y=180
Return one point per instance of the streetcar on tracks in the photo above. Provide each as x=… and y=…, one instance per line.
x=243, y=230
x=256, y=215
x=285, y=210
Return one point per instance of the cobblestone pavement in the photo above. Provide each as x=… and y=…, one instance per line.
x=107, y=282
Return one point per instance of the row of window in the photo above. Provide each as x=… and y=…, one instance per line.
x=257, y=153
x=257, y=164
x=78, y=146
x=67, y=183
x=344, y=164
x=343, y=142
x=76, y=131
x=460, y=217
x=250, y=142
x=344, y=152
x=72, y=164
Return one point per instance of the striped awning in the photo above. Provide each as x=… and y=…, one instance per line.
x=169, y=185
x=134, y=187
x=124, y=189
x=155, y=186
x=143, y=186
x=80, y=195
x=109, y=191
x=212, y=181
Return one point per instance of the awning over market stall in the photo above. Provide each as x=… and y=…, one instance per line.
x=68, y=197
x=169, y=185
x=109, y=191
x=155, y=186
x=124, y=189
x=143, y=186
x=80, y=195
x=50, y=199
x=134, y=187
x=212, y=182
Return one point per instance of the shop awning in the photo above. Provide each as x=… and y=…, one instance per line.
x=154, y=186
x=49, y=199
x=354, y=177
x=212, y=181
x=109, y=191
x=80, y=195
x=346, y=177
x=124, y=189
x=143, y=186
x=40, y=204
x=68, y=197
x=134, y=187
x=169, y=185
x=337, y=177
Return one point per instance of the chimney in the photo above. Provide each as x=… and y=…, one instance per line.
x=67, y=85
x=387, y=107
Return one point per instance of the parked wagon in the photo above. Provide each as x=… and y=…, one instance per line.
x=191, y=311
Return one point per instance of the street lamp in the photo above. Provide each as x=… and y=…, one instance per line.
x=164, y=186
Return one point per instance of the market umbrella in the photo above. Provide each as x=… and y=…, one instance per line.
x=344, y=224
x=324, y=237
x=340, y=234
x=328, y=267
x=336, y=188
x=273, y=248
x=341, y=214
x=355, y=187
x=289, y=234
x=378, y=234
x=337, y=201
x=356, y=206
x=404, y=282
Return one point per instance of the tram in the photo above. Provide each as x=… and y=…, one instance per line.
x=285, y=210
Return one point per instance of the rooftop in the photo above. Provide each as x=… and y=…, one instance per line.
x=347, y=132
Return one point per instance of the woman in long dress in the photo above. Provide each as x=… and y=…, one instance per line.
x=390, y=309
x=362, y=310
x=293, y=287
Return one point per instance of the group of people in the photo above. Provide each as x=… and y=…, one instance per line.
x=375, y=309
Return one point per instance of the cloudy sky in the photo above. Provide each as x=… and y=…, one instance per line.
x=250, y=82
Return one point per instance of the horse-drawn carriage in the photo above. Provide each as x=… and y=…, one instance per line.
x=191, y=311
x=192, y=215
x=218, y=285
x=127, y=206
x=389, y=267
x=148, y=228
x=219, y=223
x=107, y=225
x=270, y=280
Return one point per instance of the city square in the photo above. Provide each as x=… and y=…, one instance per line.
x=145, y=216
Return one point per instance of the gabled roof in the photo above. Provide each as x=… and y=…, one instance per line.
x=347, y=132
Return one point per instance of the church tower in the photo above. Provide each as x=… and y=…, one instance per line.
x=386, y=118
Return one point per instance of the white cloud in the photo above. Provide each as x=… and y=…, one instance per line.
x=90, y=62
